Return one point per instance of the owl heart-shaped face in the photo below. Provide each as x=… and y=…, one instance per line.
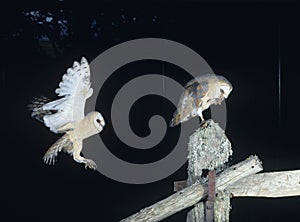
x=225, y=90
x=99, y=121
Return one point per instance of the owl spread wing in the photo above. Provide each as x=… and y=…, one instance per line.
x=74, y=90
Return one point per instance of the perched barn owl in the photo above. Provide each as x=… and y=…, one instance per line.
x=199, y=94
x=66, y=115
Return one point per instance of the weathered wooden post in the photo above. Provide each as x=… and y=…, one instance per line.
x=188, y=196
x=209, y=149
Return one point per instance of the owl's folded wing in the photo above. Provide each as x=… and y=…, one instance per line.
x=74, y=90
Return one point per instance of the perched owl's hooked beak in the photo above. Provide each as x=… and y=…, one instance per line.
x=225, y=91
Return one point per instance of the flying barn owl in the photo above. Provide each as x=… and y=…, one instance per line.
x=199, y=94
x=66, y=115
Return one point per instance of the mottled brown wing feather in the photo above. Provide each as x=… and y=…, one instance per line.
x=189, y=101
x=198, y=89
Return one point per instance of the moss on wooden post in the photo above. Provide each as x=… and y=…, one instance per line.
x=209, y=149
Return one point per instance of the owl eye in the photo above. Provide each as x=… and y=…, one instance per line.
x=222, y=91
x=98, y=120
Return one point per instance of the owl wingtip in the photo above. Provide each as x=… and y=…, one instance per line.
x=75, y=64
x=173, y=123
x=83, y=60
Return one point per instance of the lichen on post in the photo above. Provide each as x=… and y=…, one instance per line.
x=222, y=206
x=209, y=149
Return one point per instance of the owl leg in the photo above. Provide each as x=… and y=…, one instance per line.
x=199, y=112
x=88, y=162
x=203, y=122
x=79, y=159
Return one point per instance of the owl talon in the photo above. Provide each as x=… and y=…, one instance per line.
x=90, y=164
x=204, y=123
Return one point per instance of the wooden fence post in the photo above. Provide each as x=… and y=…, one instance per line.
x=209, y=149
x=191, y=195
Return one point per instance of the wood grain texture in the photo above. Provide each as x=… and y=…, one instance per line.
x=274, y=184
x=195, y=193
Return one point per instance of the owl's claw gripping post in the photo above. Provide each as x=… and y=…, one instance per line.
x=203, y=123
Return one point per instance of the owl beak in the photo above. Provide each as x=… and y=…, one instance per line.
x=102, y=122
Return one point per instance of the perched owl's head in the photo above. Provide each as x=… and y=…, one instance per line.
x=97, y=120
x=225, y=90
x=225, y=86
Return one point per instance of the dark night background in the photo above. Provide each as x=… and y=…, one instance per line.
x=240, y=40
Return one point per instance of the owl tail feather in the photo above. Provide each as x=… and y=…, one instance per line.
x=175, y=121
x=36, y=108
